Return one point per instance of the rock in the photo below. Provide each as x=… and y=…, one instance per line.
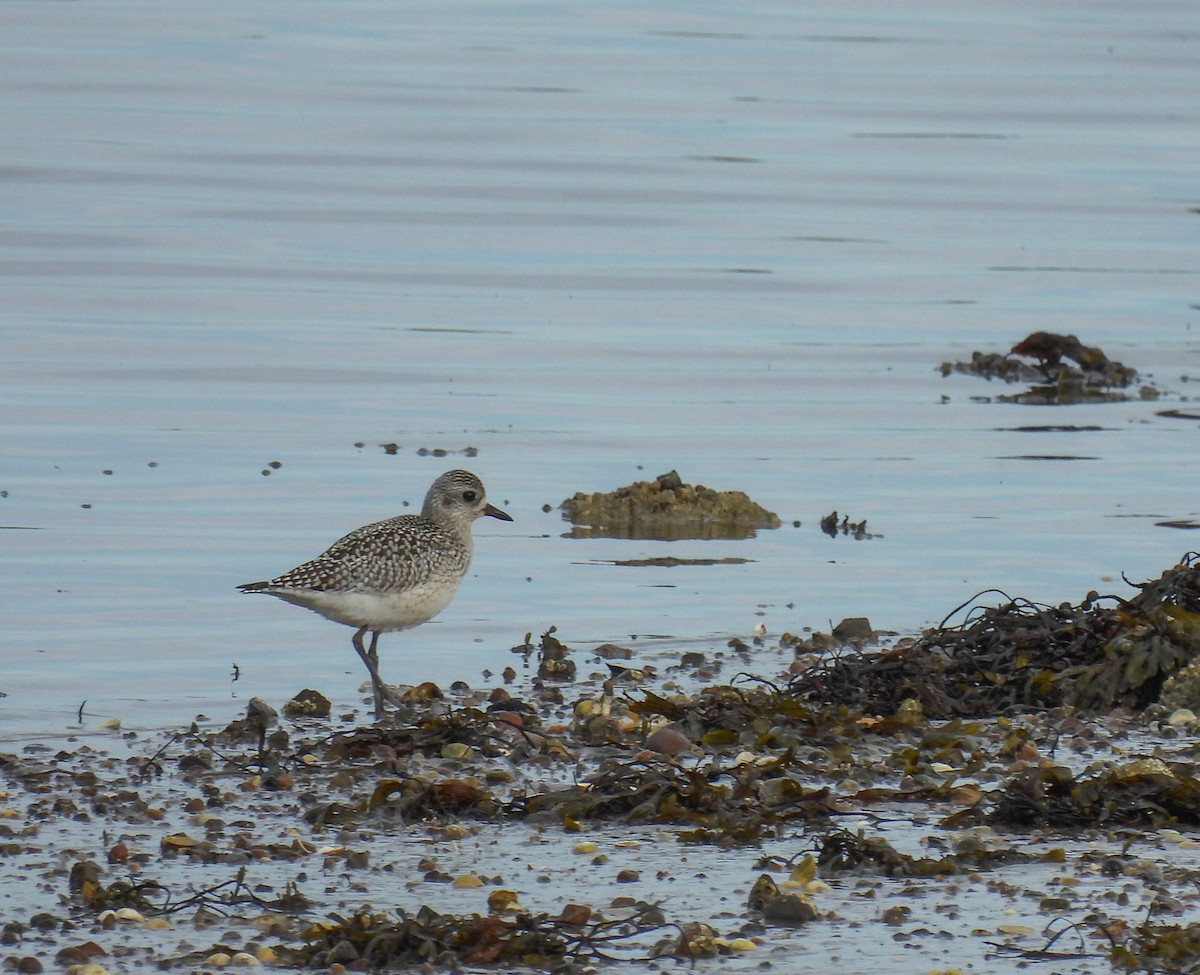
x=789, y=909
x=668, y=741
x=853, y=628
x=666, y=509
x=610, y=651
x=308, y=704
x=765, y=889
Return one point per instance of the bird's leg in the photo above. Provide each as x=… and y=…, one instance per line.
x=370, y=657
x=388, y=693
x=378, y=687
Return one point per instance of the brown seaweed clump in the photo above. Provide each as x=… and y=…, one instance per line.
x=1086, y=376
x=1154, y=947
x=1021, y=655
x=426, y=937
x=1146, y=792
x=666, y=509
x=727, y=807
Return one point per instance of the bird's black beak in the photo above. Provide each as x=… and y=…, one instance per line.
x=493, y=512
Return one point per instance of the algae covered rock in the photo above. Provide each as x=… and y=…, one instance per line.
x=1182, y=689
x=666, y=509
x=1043, y=359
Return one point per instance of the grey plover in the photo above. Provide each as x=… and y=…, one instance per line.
x=393, y=574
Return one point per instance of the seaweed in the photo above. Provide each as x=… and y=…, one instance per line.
x=1020, y=655
x=1155, y=947
x=1146, y=793
x=379, y=940
x=1039, y=359
x=657, y=789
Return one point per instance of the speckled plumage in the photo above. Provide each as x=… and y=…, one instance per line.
x=392, y=574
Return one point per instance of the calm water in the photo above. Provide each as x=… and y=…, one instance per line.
x=594, y=243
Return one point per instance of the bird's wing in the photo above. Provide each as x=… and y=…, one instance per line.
x=392, y=555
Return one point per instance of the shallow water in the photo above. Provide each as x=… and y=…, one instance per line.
x=593, y=245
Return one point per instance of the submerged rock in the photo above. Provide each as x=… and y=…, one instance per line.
x=666, y=509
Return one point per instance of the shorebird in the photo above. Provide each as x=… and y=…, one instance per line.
x=393, y=574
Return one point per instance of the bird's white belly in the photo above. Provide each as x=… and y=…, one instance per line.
x=381, y=611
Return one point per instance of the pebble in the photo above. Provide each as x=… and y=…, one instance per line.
x=789, y=909
x=668, y=741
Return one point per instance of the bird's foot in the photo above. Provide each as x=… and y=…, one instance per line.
x=384, y=695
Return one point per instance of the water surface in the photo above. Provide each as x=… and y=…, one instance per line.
x=593, y=244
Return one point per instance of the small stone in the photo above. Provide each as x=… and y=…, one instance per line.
x=610, y=651
x=308, y=703
x=668, y=741
x=457, y=750
x=341, y=953
x=788, y=909
x=500, y=900
x=853, y=628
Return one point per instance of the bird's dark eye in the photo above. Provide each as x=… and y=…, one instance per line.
x=469, y=497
